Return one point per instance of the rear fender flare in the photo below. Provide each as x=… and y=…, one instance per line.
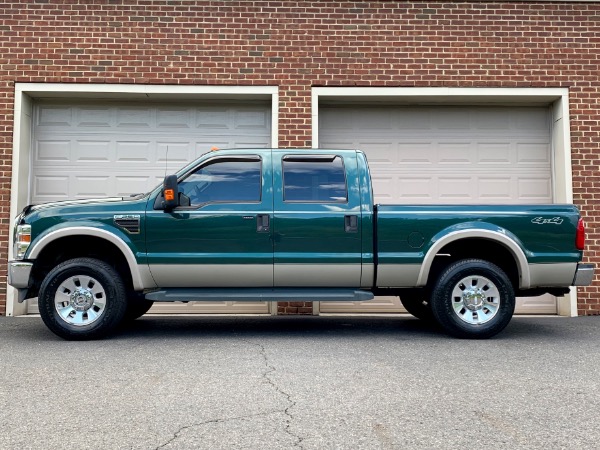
x=500, y=237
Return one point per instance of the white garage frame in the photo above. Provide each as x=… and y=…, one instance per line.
x=27, y=93
x=555, y=98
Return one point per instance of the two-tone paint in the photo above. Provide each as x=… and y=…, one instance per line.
x=306, y=244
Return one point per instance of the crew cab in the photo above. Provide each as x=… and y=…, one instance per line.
x=281, y=224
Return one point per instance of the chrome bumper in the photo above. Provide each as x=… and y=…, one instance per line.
x=18, y=274
x=584, y=275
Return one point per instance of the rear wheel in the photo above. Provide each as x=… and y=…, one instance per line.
x=82, y=298
x=473, y=299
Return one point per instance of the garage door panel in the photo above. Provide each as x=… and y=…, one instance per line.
x=411, y=190
x=458, y=120
x=527, y=121
x=52, y=151
x=414, y=153
x=50, y=187
x=129, y=117
x=174, y=117
x=410, y=119
x=212, y=118
x=176, y=153
x=91, y=151
x=491, y=119
x=91, y=186
x=498, y=189
x=54, y=116
x=448, y=155
x=251, y=120
x=455, y=153
x=94, y=117
x=534, y=189
x=493, y=153
x=117, y=149
x=533, y=153
x=134, y=152
x=341, y=119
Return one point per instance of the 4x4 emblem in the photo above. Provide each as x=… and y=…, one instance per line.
x=542, y=220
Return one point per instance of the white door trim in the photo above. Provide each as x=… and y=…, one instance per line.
x=25, y=93
x=555, y=98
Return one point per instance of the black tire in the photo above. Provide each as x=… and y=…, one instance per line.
x=417, y=305
x=486, y=302
x=90, y=295
x=137, y=306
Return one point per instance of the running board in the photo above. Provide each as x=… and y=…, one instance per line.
x=258, y=295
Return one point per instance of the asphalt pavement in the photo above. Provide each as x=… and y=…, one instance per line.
x=301, y=382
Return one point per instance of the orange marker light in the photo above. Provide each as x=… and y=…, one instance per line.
x=169, y=195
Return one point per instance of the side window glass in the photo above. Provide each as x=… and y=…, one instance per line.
x=224, y=180
x=314, y=180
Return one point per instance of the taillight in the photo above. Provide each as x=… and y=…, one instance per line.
x=580, y=235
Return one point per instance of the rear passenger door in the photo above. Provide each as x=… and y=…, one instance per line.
x=316, y=227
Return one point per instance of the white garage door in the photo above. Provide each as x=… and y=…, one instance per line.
x=447, y=155
x=116, y=149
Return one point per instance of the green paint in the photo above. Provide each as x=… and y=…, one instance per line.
x=308, y=232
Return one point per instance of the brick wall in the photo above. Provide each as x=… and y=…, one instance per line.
x=298, y=45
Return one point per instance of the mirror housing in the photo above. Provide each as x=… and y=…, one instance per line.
x=170, y=193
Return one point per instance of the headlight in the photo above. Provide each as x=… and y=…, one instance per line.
x=22, y=241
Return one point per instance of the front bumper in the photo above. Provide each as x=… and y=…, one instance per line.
x=19, y=274
x=584, y=275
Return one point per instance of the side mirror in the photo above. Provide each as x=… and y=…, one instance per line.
x=170, y=193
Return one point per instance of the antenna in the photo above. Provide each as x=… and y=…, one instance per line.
x=166, y=160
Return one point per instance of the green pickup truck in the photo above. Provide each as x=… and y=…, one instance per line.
x=288, y=224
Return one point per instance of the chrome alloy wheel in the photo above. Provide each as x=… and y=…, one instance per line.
x=475, y=300
x=80, y=300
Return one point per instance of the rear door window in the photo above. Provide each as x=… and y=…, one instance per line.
x=314, y=179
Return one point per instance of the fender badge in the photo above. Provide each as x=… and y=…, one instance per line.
x=542, y=221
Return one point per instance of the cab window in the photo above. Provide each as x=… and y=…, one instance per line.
x=314, y=179
x=229, y=180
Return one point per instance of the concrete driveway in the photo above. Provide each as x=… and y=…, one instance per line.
x=301, y=382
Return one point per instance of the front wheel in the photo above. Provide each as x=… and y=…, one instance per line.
x=473, y=299
x=82, y=298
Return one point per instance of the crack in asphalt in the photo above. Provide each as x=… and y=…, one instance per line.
x=279, y=390
x=199, y=424
x=291, y=403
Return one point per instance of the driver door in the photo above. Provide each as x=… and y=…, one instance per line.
x=222, y=236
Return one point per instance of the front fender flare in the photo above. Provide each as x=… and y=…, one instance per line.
x=140, y=274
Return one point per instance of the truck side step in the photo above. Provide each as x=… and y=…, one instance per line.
x=258, y=295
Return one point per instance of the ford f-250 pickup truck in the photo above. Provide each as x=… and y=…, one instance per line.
x=281, y=224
